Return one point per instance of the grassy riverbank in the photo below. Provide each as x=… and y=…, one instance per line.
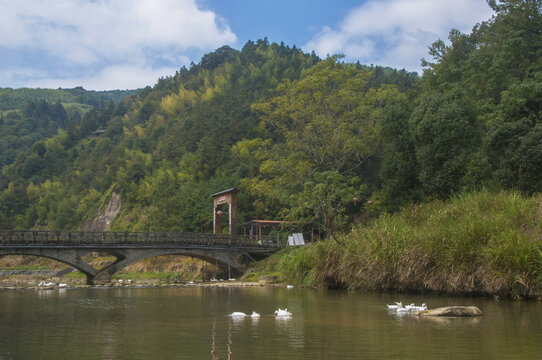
x=474, y=244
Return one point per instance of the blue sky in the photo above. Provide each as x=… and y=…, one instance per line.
x=294, y=22
x=120, y=44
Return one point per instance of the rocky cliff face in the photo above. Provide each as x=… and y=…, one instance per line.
x=101, y=220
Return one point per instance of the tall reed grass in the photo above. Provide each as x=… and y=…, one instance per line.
x=477, y=243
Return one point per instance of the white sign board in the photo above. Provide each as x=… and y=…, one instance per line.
x=296, y=239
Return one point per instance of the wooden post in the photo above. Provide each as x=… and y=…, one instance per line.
x=217, y=221
x=221, y=198
x=233, y=216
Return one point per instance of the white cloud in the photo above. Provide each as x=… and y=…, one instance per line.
x=18, y=74
x=110, y=78
x=110, y=34
x=397, y=33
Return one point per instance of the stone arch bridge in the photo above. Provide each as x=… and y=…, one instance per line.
x=129, y=247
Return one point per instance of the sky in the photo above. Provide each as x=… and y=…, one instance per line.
x=127, y=44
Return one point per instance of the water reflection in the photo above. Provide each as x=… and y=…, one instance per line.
x=451, y=321
x=292, y=329
x=238, y=321
x=400, y=315
x=46, y=292
x=229, y=341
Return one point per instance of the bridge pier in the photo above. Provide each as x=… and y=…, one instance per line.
x=101, y=277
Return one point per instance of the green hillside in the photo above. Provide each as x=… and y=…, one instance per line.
x=168, y=148
x=30, y=116
x=13, y=99
x=318, y=141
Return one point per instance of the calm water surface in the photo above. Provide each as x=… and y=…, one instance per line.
x=192, y=323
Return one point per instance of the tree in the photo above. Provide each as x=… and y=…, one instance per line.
x=446, y=132
x=221, y=55
x=330, y=127
x=513, y=143
x=498, y=68
x=5, y=222
x=322, y=116
x=329, y=194
x=399, y=168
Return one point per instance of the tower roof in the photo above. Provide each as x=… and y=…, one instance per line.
x=232, y=190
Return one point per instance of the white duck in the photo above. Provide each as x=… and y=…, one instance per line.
x=238, y=314
x=281, y=312
x=402, y=310
x=255, y=315
x=396, y=306
x=419, y=308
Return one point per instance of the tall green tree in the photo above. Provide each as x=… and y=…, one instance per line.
x=330, y=126
x=498, y=67
x=399, y=168
x=446, y=133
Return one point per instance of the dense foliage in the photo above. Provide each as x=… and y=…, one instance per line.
x=317, y=141
x=23, y=129
x=476, y=122
x=329, y=122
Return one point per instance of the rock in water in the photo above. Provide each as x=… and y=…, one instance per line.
x=452, y=311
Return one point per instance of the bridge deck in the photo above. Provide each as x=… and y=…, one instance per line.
x=109, y=239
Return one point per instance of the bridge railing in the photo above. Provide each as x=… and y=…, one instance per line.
x=29, y=237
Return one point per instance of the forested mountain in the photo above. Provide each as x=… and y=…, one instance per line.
x=13, y=99
x=166, y=149
x=320, y=141
x=31, y=115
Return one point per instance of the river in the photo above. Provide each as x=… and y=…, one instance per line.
x=193, y=323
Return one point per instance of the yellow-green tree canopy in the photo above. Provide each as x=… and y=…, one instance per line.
x=329, y=121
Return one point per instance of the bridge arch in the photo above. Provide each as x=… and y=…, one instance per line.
x=71, y=258
x=125, y=257
x=132, y=256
